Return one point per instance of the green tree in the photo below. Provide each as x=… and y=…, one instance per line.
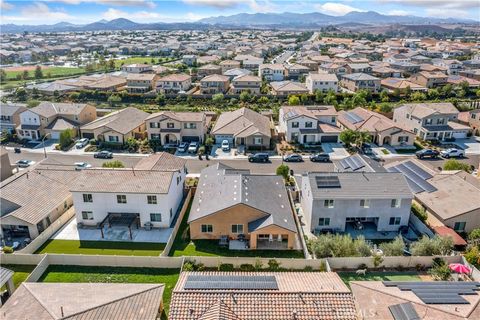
x=474, y=234
x=25, y=75
x=347, y=136
x=160, y=99
x=218, y=98
x=432, y=246
x=447, y=90
x=384, y=96
x=331, y=98
x=131, y=144
x=362, y=137
x=38, y=72
x=283, y=170
x=114, y=99
x=453, y=164
x=263, y=100
x=111, y=64
x=433, y=93
x=337, y=245
x=3, y=76
x=245, y=96
x=385, y=108
x=304, y=98
x=21, y=94
x=293, y=100
x=393, y=248
x=113, y=164
x=319, y=96
x=418, y=96
x=66, y=138
x=477, y=93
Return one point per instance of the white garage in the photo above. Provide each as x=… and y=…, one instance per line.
x=220, y=137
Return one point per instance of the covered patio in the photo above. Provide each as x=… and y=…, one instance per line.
x=120, y=220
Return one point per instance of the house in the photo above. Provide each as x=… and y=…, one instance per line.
x=357, y=163
x=309, y=124
x=282, y=295
x=170, y=127
x=214, y=83
x=6, y=169
x=392, y=84
x=247, y=83
x=141, y=82
x=272, y=72
x=286, y=88
x=333, y=67
x=429, y=79
x=382, y=129
x=360, y=81
x=406, y=67
x=229, y=64
x=431, y=121
x=137, y=68
x=453, y=66
x=174, y=83
x=449, y=197
x=208, y=69
x=232, y=73
x=336, y=201
x=51, y=118
x=189, y=59
x=10, y=116
x=296, y=71
x=229, y=202
x=33, y=200
x=389, y=300
x=457, y=80
x=323, y=82
x=385, y=72
x=117, y=127
x=471, y=118
x=243, y=127
x=359, y=68
x=148, y=195
x=113, y=301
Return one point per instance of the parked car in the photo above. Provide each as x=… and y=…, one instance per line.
x=81, y=143
x=452, y=153
x=320, y=157
x=193, y=147
x=103, y=155
x=427, y=153
x=225, y=145
x=258, y=157
x=367, y=148
x=294, y=157
x=17, y=150
x=82, y=165
x=182, y=147
x=24, y=163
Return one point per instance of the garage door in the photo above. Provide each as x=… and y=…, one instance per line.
x=88, y=135
x=459, y=135
x=329, y=139
x=220, y=138
x=55, y=135
x=190, y=138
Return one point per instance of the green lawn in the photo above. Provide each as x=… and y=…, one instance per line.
x=54, y=72
x=182, y=246
x=169, y=277
x=21, y=272
x=379, y=276
x=145, y=60
x=102, y=248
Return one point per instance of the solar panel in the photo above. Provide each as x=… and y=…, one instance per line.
x=404, y=311
x=358, y=162
x=353, y=117
x=415, y=176
x=344, y=164
x=327, y=182
x=418, y=171
x=218, y=282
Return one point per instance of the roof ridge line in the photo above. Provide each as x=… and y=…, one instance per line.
x=36, y=299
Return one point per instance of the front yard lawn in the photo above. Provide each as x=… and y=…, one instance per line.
x=22, y=271
x=379, y=276
x=183, y=246
x=169, y=277
x=102, y=247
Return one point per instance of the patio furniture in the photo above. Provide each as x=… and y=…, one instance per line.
x=148, y=226
x=223, y=241
x=16, y=245
x=241, y=237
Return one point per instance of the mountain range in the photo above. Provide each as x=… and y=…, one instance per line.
x=255, y=20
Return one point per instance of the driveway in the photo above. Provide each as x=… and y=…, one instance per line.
x=335, y=150
x=471, y=145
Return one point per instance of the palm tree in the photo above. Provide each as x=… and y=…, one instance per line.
x=362, y=137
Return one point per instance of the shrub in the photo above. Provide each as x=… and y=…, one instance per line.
x=394, y=248
x=308, y=269
x=472, y=255
x=431, y=247
x=377, y=260
x=258, y=265
x=336, y=245
x=273, y=265
x=323, y=266
x=93, y=142
x=474, y=234
x=189, y=266
x=453, y=164
x=283, y=170
x=247, y=267
x=419, y=212
x=362, y=266
x=440, y=271
x=225, y=267
x=66, y=138
x=7, y=249
x=113, y=164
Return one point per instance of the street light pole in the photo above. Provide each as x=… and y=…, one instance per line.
x=43, y=142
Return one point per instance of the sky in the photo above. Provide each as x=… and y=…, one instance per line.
x=147, y=11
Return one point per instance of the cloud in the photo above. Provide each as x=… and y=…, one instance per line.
x=336, y=9
x=398, y=13
x=122, y=3
x=219, y=4
x=436, y=4
x=5, y=5
x=138, y=16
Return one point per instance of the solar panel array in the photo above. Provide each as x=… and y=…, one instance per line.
x=353, y=162
x=353, y=117
x=416, y=176
x=327, y=182
x=404, y=311
x=226, y=282
x=438, y=292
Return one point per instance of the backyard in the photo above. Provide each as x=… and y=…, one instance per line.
x=347, y=277
x=102, y=248
x=21, y=272
x=60, y=273
x=183, y=246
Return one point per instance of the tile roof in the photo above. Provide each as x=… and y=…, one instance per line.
x=61, y=124
x=215, y=78
x=323, y=76
x=290, y=112
x=241, y=121
x=287, y=86
x=175, y=77
x=371, y=121
x=48, y=109
x=85, y=301
x=359, y=77
x=122, y=121
x=9, y=109
x=162, y=161
x=422, y=110
x=179, y=116
x=313, y=295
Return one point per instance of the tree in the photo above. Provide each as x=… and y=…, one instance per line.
x=25, y=75
x=447, y=90
x=3, y=76
x=337, y=245
x=293, y=100
x=304, y=98
x=114, y=99
x=393, y=248
x=433, y=93
x=131, y=144
x=384, y=96
x=331, y=98
x=453, y=164
x=362, y=137
x=418, y=96
x=474, y=234
x=385, y=108
x=319, y=96
x=440, y=270
x=21, y=94
x=160, y=99
x=38, y=72
x=432, y=246
x=245, y=96
x=283, y=170
x=217, y=98
x=347, y=136
x=111, y=64
x=263, y=100
x=66, y=138
x=113, y=164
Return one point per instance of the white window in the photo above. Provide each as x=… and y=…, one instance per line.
x=394, y=221
x=87, y=197
x=170, y=125
x=155, y=217
x=324, y=221
x=190, y=125
x=154, y=124
x=152, y=199
x=395, y=203
x=207, y=228
x=365, y=203
x=459, y=226
x=87, y=215
x=121, y=198
x=113, y=139
x=237, y=228
x=257, y=140
x=329, y=203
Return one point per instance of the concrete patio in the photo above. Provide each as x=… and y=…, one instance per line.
x=70, y=231
x=370, y=232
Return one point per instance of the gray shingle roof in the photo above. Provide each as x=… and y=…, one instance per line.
x=122, y=121
x=162, y=161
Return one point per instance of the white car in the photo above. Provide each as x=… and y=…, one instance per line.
x=193, y=147
x=452, y=153
x=225, y=145
x=24, y=163
x=82, y=165
x=81, y=143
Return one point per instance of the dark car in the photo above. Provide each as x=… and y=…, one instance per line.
x=258, y=157
x=183, y=147
x=103, y=155
x=293, y=158
x=427, y=153
x=320, y=157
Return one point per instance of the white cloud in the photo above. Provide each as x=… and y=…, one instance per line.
x=447, y=13
x=336, y=9
x=398, y=13
x=437, y=4
x=138, y=16
x=122, y=3
x=5, y=5
x=220, y=4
